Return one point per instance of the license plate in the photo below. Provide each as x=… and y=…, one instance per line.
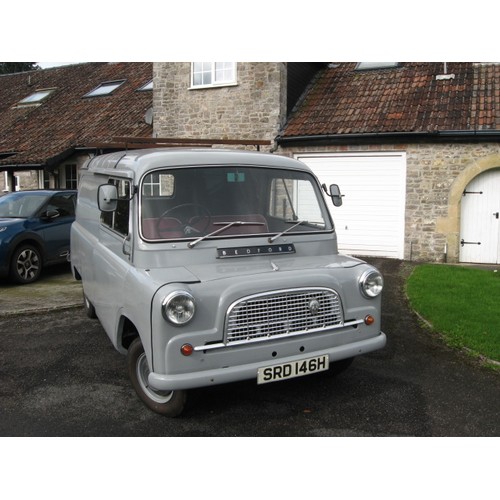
x=291, y=370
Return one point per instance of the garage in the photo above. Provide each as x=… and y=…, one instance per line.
x=371, y=221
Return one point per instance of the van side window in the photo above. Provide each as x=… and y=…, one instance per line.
x=119, y=219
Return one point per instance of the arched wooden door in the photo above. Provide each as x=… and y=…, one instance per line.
x=480, y=219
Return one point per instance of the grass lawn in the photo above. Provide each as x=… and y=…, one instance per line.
x=461, y=303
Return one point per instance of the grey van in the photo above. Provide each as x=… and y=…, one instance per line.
x=212, y=266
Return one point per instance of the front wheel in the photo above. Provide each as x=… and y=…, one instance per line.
x=167, y=403
x=26, y=264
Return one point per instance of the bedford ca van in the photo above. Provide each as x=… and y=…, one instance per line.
x=212, y=266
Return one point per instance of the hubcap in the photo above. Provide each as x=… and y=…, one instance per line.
x=28, y=264
x=142, y=376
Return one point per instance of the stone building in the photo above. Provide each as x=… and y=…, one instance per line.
x=242, y=101
x=406, y=141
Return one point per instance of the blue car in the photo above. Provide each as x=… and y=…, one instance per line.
x=34, y=231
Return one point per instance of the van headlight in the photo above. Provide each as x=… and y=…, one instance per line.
x=371, y=284
x=178, y=308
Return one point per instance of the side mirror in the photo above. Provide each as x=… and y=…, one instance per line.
x=335, y=195
x=52, y=214
x=107, y=197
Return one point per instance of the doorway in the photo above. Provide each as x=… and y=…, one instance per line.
x=480, y=219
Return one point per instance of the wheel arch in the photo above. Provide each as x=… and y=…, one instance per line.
x=127, y=333
x=27, y=240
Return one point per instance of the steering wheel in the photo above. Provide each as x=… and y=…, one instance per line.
x=184, y=222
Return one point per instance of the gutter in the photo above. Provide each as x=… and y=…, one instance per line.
x=437, y=136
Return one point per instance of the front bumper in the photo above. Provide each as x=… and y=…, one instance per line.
x=249, y=371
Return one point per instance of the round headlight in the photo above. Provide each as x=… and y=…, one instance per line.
x=371, y=284
x=179, y=308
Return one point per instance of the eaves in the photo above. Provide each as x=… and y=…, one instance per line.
x=395, y=137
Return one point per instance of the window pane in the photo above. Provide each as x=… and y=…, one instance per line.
x=224, y=72
x=202, y=73
x=37, y=96
x=71, y=177
x=104, y=89
x=375, y=65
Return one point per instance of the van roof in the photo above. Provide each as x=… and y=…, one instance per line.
x=140, y=161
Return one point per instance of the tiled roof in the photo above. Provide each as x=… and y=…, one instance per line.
x=41, y=133
x=406, y=99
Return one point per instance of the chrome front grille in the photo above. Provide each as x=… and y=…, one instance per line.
x=283, y=313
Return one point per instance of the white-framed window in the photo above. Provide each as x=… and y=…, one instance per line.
x=363, y=66
x=36, y=97
x=70, y=176
x=213, y=74
x=105, y=88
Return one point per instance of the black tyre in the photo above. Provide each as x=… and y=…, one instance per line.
x=89, y=308
x=337, y=367
x=167, y=403
x=26, y=264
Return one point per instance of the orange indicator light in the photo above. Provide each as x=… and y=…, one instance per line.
x=187, y=349
x=369, y=320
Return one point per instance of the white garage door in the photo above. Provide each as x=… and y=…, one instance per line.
x=371, y=221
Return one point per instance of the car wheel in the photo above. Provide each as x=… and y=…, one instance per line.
x=26, y=264
x=167, y=403
x=337, y=367
x=89, y=308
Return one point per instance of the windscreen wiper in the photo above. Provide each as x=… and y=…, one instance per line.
x=225, y=225
x=275, y=237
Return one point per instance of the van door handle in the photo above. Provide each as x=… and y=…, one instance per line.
x=496, y=214
x=126, y=240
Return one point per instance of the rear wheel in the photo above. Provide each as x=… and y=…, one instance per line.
x=167, y=403
x=26, y=264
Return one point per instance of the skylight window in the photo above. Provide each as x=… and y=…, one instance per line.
x=146, y=86
x=361, y=66
x=37, y=97
x=105, y=88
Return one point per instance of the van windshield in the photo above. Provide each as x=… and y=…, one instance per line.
x=188, y=203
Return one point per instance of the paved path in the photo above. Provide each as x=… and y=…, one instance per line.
x=57, y=289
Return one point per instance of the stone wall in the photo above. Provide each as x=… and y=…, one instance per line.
x=253, y=109
x=436, y=176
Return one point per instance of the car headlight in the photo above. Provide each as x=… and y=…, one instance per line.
x=178, y=308
x=371, y=283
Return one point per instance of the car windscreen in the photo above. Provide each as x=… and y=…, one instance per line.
x=21, y=204
x=231, y=200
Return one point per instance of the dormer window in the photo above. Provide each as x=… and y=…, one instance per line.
x=37, y=97
x=213, y=74
x=105, y=88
